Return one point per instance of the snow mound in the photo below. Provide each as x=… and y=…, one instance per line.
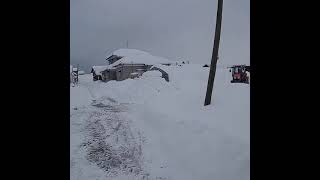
x=152, y=74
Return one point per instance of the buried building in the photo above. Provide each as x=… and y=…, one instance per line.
x=124, y=71
x=130, y=63
x=96, y=72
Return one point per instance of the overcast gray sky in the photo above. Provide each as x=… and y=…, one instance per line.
x=174, y=29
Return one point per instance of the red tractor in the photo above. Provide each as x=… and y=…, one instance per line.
x=239, y=74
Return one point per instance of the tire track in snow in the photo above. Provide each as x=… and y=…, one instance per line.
x=106, y=147
x=109, y=143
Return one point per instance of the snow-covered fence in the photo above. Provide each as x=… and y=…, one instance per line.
x=73, y=75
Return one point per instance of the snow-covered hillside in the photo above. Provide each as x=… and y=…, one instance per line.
x=164, y=125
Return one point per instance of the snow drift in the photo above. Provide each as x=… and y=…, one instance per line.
x=184, y=139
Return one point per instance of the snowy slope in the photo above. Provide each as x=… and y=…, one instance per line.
x=183, y=139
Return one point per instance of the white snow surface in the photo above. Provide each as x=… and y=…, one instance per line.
x=81, y=72
x=133, y=56
x=182, y=138
x=152, y=74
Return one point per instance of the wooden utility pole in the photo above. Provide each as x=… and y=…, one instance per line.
x=214, y=57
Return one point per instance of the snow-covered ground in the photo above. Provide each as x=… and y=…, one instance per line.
x=147, y=128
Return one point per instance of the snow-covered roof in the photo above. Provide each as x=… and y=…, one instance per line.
x=98, y=69
x=133, y=56
x=129, y=52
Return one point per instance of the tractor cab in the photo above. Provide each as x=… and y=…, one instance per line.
x=239, y=74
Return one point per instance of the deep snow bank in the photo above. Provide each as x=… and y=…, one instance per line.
x=184, y=139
